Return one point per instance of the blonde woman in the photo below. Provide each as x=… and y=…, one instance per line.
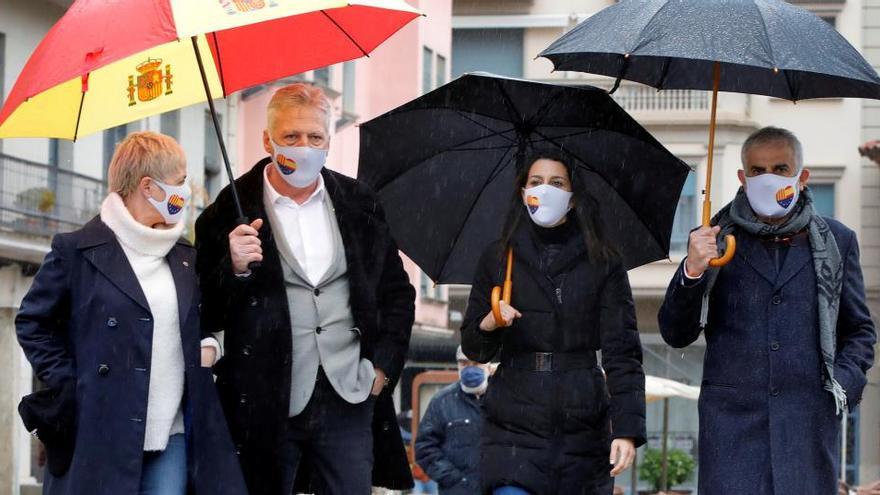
x=111, y=326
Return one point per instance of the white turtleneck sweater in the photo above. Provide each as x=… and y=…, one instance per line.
x=146, y=249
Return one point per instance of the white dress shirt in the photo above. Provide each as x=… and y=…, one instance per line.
x=305, y=228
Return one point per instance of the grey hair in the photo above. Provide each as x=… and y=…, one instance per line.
x=300, y=94
x=773, y=135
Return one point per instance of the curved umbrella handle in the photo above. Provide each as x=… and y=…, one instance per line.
x=503, y=294
x=728, y=253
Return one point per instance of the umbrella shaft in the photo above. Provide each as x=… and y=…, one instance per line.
x=707, y=202
x=241, y=217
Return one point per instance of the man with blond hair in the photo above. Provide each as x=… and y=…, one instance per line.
x=316, y=335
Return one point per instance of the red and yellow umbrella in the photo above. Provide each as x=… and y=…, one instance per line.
x=109, y=62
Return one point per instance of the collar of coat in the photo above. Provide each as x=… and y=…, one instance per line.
x=101, y=248
x=527, y=246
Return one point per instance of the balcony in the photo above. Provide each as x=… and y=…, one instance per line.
x=38, y=200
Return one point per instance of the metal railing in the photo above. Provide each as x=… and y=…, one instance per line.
x=42, y=200
x=643, y=98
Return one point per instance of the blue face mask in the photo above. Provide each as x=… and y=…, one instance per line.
x=472, y=376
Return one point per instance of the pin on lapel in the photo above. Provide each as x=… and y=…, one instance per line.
x=186, y=263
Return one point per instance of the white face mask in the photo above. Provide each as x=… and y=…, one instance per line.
x=771, y=195
x=173, y=207
x=547, y=204
x=298, y=165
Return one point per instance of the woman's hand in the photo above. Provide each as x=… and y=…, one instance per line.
x=508, y=313
x=623, y=452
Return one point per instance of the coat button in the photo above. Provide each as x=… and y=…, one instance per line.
x=774, y=346
x=777, y=299
x=253, y=302
x=319, y=330
x=317, y=292
x=103, y=369
x=774, y=391
x=242, y=399
x=111, y=322
x=246, y=350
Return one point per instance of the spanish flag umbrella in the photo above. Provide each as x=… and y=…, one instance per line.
x=110, y=62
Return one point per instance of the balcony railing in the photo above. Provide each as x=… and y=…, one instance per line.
x=644, y=98
x=41, y=200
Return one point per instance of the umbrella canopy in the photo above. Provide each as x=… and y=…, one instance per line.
x=765, y=47
x=444, y=166
x=657, y=388
x=109, y=62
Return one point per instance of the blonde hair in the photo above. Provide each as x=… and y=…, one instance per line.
x=143, y=154
x=300, y=95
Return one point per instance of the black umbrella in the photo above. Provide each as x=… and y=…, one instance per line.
x=444, y=166
x=765, y=47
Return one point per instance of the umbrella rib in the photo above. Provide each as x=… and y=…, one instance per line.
x=433, y=155
x=355, y=43
x=545, y=108
x=517, y=117
x=79, y=115
x=484, y=126
x=587, y=165
x=492, y=175
x=563, y=136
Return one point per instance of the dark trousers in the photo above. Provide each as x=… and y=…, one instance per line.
x=337, y=437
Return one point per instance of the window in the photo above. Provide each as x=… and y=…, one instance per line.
x=213, y=157
x=685, y=215
x=495, y=50
x=441, y=70
x=348, y=87
x=112, y=137
x=169, y=124
x=427, y=69
x=823, y=199
x=322, y=77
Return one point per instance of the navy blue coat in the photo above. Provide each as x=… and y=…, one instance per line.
x=86, y=319
x=766, y=423
x=448, y=441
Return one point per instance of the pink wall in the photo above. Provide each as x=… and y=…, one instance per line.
x=391, y=76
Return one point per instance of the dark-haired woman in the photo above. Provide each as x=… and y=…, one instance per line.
x=555, y=423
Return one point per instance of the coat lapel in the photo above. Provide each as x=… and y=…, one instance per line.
x=525, y=250
x=181, y=261
x=353, y=228
x=755, y=255
x=799, y=254
x=103, y=251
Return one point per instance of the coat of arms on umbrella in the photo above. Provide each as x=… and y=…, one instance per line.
x=235, y=6
x=149, y=81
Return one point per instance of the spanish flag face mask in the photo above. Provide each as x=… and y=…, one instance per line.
x=771, y=195
x=299, y=166
x=173, y=207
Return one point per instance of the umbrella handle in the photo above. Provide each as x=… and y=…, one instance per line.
x=503, y=294
x=253, y=265
x=728, y=253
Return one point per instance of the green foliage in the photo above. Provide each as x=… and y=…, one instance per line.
x=680, y=467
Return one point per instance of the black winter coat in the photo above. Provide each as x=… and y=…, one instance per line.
x=448, y=441
x=253, y=377
x=85, y=319
x=550, y=432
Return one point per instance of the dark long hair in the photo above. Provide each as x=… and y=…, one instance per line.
x=584, y=212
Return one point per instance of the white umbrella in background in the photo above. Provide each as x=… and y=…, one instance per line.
x=657, y=388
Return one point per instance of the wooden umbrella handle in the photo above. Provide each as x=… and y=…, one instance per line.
x=503, y=293
x=730, y=251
